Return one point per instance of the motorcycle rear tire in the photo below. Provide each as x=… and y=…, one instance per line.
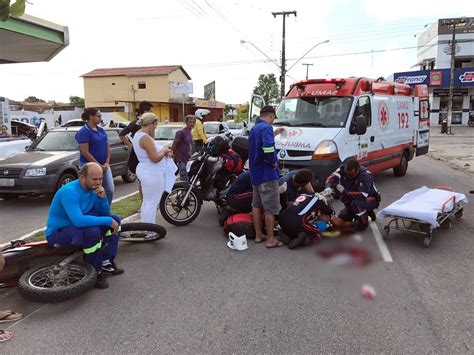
x=181, y=222
x=38, y=294
x=126, y=236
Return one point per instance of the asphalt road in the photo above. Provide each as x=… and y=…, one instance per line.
x=25, y=214
x=190, y=294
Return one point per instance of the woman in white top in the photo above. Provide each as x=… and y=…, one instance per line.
x=151, y=168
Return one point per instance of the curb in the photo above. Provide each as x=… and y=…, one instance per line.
x=129, y=219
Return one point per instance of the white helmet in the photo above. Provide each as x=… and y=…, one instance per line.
x=201, y=113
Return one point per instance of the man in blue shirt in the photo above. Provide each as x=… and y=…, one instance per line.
x=264, y=174
x=80, y=216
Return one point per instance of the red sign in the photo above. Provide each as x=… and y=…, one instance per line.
x=436, y=78
x=384, y=117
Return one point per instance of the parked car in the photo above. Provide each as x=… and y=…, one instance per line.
x=216, y=128
x=12, y=146
x=236, y=128
x=22, y=129
x=165, y=134
x=80, y=123
x=53, y=161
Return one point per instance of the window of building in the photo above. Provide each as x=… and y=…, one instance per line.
x=457, y=108
x=141, y=85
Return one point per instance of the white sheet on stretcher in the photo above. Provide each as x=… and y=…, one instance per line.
x=423, y=204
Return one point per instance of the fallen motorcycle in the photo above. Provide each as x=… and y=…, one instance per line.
x=47, y=274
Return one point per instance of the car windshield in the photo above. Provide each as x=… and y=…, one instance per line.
x=235, y=125
x=314, y=111
x=166, y=133
x=211, y=128
x=56, y=140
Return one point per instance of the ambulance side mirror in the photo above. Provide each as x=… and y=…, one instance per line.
x=360, y=125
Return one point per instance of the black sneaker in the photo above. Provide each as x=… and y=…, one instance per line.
x=300, y=241
x=372, y=216
x=101, y=282
x=112, y=269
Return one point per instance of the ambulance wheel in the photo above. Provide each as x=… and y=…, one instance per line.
x=401, y=169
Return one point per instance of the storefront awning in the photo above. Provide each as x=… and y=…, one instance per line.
x=30, y=39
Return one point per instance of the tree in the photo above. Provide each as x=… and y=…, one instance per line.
x=76, y=100
x=33, y=99
x=267, y=87
x=242, y=112
x=16, y=9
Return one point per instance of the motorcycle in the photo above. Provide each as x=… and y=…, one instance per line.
x=207, y=182
x=48, y=274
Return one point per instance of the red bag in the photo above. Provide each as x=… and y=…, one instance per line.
x=233, y=162
x=240, y=224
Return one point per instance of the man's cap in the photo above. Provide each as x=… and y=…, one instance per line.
x=267, y=109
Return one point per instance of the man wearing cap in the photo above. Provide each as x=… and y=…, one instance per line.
x=264, y=175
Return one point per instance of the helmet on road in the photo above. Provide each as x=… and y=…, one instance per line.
x=201, y=113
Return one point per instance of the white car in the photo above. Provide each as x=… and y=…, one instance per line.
x=165, y=134
x=216, y=128
x=237, y=128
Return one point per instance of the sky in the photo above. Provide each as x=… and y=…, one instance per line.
x=204, y=36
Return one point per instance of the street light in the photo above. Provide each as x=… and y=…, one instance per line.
x=258, y=49
x=304, y=55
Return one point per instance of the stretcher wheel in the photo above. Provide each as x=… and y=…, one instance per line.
x=386, y=231
x=459, y=213
x=427, y=240
x=446, y=224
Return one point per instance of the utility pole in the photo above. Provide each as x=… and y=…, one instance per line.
x=453, y=23
x=283, y=59
x=307, y=66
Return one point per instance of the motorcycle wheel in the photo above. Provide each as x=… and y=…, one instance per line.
x=173, y=213
x=40, y=284
x=141, y=232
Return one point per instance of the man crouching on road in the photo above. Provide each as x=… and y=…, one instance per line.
x=80, y=216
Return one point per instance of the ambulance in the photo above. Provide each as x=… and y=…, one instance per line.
x=384, y=125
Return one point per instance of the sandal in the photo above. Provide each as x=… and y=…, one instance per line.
x=276, y=245
x=5, y=336
x=10, y=316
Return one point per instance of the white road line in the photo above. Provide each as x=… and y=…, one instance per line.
x=28, y=316
x=124, y=197
x=380, y=243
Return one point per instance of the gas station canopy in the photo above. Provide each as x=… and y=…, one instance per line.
x=30, y=39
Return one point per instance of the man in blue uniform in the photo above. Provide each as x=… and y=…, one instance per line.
x=80, y=216
x=264, y=174
x=358, y=192
x=294, y=183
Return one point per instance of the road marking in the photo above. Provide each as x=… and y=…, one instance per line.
x=124, y=197
x=28, y=316
x=380, y=243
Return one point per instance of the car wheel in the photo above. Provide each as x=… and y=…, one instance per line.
x=65, y=179
x=129, y=177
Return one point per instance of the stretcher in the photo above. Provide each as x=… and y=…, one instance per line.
x=423, y=210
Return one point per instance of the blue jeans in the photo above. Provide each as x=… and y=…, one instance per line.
x=97, y=247
x=183, y=173
x=108, y=184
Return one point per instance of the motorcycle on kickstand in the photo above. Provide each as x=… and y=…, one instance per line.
x=208, y=181
x=49, y=274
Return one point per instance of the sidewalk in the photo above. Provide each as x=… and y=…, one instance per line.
x=456, y=149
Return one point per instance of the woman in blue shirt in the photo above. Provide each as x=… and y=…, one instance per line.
x=94, y=147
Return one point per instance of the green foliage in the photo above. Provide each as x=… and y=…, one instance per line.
x=15, y=10
x=76, y=100
x=267, y=87
x=242, y=112
x=33, y=99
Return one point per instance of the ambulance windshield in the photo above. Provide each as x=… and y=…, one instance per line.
x=314, y=111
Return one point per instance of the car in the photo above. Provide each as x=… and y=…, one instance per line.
x=216, y=128
x=80, y=123
x=52, y=161
x=165, y=134
x=237, y=128
x=22, y=129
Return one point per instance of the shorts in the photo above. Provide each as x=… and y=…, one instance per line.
x=267, y=196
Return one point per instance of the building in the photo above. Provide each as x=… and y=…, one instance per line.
x=120, y=90
x=434, y=62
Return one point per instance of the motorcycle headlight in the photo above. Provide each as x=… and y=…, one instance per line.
x=36, y=172
x=325, y=150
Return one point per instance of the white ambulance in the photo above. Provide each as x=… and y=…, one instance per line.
x=383, y=124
